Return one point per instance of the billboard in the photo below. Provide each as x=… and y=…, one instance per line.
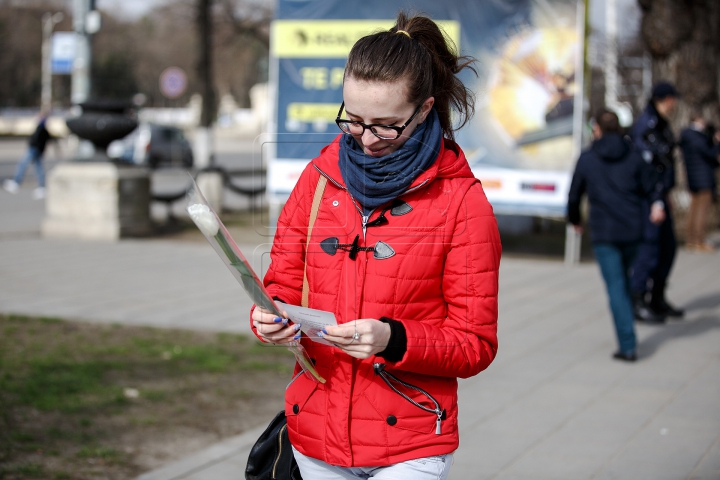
x=523, y=140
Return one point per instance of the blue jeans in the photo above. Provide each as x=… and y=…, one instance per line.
x=615, y=260
x=428, y=468
x=33, y=156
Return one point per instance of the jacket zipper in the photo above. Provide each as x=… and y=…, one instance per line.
x=379, y=369
x=277, y=458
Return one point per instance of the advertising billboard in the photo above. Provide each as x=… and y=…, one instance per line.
x=522, y=142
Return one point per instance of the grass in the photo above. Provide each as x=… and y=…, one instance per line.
x=76, y=398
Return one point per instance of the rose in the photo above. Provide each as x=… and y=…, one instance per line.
x=204, y=219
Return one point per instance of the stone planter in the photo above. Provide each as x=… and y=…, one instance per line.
x=97, y=201
x=96, y=198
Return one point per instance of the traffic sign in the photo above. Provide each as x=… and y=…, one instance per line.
x=173, y=82
x=62, y=52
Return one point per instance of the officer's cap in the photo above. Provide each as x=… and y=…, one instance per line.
x=663, y=90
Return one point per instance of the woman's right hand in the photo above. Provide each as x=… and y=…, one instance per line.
x=274, y=329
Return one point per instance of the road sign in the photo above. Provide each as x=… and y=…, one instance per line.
x=173, y=82
x=62, y=52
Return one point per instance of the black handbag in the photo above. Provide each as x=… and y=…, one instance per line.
x=271, y=458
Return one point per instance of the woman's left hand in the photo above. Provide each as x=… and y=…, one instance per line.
x=360, y=338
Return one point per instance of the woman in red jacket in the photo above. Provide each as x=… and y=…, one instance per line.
x=404, y=251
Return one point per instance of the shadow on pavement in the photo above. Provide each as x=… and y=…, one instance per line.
x=705, y=302
x=675, y=330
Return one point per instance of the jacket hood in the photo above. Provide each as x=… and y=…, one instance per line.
x=611, y=147
x=450, y=163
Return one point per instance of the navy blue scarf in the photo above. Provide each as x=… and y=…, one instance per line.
x=373, y=181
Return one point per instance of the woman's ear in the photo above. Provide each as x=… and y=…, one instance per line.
x=425, y=108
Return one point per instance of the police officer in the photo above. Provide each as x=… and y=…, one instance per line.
x=652, y=135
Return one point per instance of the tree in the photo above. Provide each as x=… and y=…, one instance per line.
x=682, y=37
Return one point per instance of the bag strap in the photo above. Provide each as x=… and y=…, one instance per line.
x=322, y=181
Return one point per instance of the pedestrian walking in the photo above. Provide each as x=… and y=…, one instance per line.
x=617, y=182
x=652, y=136
x=700, y=149
x=404, y=251
x=36, y=147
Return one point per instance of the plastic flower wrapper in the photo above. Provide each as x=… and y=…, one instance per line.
x=213, y=229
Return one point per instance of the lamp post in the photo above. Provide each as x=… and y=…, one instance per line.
x=48, y=23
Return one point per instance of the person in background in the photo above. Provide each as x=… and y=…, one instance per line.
x=405, y=252
x=36, y=148
x=651, y=134
x=700, y=149
x=617, y=182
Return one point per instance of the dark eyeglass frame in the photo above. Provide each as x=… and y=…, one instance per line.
x=399, y=129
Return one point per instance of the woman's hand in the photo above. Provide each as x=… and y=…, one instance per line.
x=360, y=338
x=274, y=329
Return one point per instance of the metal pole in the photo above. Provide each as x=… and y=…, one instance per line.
x=80, y=90
x=46, y=96
x=48, y=23
x=611, y=55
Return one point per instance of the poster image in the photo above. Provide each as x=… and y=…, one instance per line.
x=522, y=142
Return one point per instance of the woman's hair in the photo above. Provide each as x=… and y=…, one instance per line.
x=416, y=50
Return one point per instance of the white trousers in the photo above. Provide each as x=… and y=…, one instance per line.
x=428, y=468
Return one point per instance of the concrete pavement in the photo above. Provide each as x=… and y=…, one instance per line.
x=553, y=405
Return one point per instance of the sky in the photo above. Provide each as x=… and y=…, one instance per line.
x=128, y=8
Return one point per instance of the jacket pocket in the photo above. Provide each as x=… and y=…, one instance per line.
x=297, y=394
x=417, y=410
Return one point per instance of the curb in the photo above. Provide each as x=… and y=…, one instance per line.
x=238, y=446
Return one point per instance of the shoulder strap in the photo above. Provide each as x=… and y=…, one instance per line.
x=322, y=181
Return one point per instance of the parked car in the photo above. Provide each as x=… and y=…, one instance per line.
x=154, y=146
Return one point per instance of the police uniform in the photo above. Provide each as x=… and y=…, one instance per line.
x=652, y=135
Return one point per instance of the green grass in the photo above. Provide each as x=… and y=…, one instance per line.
x=62, y=383
x=72, y=374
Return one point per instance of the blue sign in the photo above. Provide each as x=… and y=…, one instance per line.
x=62, y=52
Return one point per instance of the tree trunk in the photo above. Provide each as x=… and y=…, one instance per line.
x=205, y=71
x=682, y=37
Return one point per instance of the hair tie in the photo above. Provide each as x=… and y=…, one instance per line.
x=404, y=33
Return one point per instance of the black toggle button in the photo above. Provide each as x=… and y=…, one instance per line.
x=391, y=420
x=296, y=409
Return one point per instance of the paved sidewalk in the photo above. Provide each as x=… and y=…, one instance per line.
x=554, y=405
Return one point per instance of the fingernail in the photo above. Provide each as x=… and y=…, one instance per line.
x=320, y=334
x=324, y=331
x=297, y=326
x=285, y=321
x=297, y=337
x=277, y=319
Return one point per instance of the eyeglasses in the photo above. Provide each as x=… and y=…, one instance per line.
x=383, y=132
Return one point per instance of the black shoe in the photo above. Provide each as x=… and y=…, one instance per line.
x=645, y=314
x=625, y=356
x=665, y=309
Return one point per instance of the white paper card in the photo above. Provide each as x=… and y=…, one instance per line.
x=312, y=320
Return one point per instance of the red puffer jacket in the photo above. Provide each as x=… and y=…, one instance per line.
x=434, y=268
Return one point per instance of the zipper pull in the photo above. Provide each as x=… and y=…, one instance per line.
x=438, y=427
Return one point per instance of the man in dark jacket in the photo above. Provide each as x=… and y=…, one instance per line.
x=36, y=147
x=700, y=150
x=617, y=182
x=652, y=136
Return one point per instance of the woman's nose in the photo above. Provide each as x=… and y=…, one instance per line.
x=369, y=138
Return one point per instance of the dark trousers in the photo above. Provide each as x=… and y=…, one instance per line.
x=655, y=257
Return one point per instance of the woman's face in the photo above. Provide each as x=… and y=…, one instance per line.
x=381, y=102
